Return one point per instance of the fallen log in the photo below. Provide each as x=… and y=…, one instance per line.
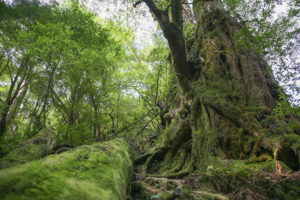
x=99, y=171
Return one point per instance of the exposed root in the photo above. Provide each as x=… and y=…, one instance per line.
x=164, y=184
x=207, y=195
x=173, y=175
x=142, y=158
x=63, y=149
x=276, y=178
x=246, y=194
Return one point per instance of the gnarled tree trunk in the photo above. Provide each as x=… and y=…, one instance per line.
x=225, y=112
x=224, y=128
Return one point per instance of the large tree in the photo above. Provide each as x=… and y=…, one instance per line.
x=223, y=117
x=228, y=94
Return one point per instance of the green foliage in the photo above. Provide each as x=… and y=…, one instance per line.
x=80, y=71
x=284, y=107
x=290, y=152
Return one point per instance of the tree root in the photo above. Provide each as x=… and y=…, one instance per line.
x=141, y=159
x=155, y=185
x=247, y=194
x=208, y=195
x=173, y=175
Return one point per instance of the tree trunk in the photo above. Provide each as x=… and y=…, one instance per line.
x=226, y=112
x=3, y=122
x=224, y=122
x=232, y=94
x=173, y=31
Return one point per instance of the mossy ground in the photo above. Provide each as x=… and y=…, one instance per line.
x=98, y=171
x=224, y=179
x=35, y=148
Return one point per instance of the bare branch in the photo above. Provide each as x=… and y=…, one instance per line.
x=137, y=3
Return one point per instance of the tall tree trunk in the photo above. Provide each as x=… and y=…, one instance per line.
x=3, y=122
x=173, y=31
x=17, y=87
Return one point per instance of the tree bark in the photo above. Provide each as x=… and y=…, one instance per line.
x=230, y=100
x=17, y=85
x=173, y=31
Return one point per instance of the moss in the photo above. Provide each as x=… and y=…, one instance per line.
x=261, y=158
x=208, y=195
x=166, y=196
x=255, y=176
x=35, y=148
x=275, y=126
x=259, y=112
x=138, y=191
x=294, y=125
x=98, y=171
x=290, y=150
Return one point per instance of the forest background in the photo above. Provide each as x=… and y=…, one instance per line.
x=91, y=79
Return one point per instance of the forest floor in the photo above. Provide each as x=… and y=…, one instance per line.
x=167, y=188
x=230, y=179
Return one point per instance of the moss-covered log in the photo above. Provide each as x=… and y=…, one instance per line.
x=35, y=148
x=98, y=171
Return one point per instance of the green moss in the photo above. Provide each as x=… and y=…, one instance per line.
x=292, y=140
x=294, y=125
x=290, y=150
x=261, y=158
x=168, y=196
x=256, y=175
x=138, y=191
x=35, y=148
x=259, y=112
x=98, y=171
x=275, y=126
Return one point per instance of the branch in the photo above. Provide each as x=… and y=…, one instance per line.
x=5, y=66
x=173, y=32
x=147, y=102
x=145, y=126
x=167, y=8
x=187, y=3
x=151, y=5
x=60, y=104
x=137, y=3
